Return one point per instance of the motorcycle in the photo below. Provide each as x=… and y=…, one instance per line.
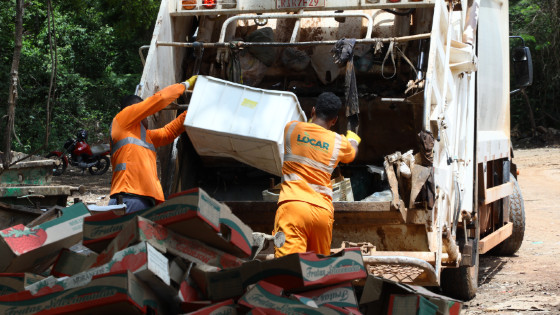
x=77, y=152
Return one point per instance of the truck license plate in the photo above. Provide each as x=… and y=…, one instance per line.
x=287, y=4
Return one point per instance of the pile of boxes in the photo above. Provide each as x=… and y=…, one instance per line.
x=189, y=254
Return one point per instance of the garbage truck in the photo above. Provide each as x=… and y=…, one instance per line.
x=424, y=83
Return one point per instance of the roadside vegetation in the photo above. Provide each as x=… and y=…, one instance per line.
x=86, y=54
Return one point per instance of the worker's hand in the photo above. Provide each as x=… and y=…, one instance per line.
x=189, y=84
x=353, y=137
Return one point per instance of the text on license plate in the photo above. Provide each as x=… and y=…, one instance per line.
x=281, y=4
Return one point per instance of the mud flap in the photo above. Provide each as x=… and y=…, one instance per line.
x=469, y=252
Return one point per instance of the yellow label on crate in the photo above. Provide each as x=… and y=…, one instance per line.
x=249, y=103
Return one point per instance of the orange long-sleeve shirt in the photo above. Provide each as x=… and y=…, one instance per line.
x=311, y=153
x=133, y=154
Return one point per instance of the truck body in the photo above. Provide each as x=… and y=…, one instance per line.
x=432, y=77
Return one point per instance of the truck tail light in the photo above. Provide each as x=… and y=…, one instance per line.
x=188, y=4
x=209, y=4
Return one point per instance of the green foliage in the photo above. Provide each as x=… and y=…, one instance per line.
x=537, y=22
x=97, y=63
x=97, y=48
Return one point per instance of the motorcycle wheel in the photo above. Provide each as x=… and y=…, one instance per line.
x=101, y=167
x=61, y=167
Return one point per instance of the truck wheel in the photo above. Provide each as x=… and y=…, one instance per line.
x=517, y=216
x=460, y=283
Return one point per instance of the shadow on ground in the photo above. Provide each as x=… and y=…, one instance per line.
x=489, y=266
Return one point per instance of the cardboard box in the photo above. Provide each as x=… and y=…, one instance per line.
x=269, y=299
x=189, y=293
x=16, y=282
x=218, y=285
x=411, y=304
x=446, y=305
x=341, y=295
x=142, y=259
x=377, y=293
x=35, y=249
x=116, y=293
x=309, y=269
x=192, y=213
x=141, y=229
x=295, y=271
x=224, y=308
x=69, y=263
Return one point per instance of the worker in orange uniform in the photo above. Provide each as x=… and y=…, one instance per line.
x=133, y=147
x=311, y=153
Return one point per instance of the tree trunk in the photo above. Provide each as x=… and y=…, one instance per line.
x=12, y=96
x=530, y=110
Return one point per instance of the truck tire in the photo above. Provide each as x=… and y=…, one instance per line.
x=460, y=283
x=517, y=216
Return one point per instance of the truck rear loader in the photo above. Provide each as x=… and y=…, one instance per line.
x=430, y=101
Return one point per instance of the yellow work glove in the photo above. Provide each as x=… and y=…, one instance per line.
x=353, y=137
x=189, y=84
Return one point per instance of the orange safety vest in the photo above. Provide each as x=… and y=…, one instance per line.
x=133, y=148
x=311, y=153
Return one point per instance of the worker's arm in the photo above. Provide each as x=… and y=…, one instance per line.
x=133, y=114
x=166, y=134
x=349, y=147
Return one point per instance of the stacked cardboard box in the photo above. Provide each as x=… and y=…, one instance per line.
x=192, y=213
x=186, y=255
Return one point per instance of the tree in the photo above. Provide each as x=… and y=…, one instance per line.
x=12, y=94
x=537, y=22
x=96, y=63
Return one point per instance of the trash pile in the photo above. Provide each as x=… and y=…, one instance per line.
x=188, y=255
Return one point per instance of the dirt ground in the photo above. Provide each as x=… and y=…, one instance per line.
x=527, y=283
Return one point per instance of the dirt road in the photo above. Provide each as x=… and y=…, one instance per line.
x=527, y=283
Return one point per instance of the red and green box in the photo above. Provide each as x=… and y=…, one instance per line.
x=192, y=213
x=340, y=295
x=142, y=259
x=141, y=229
x=295, y=271
x=16, y=282
x=116, y=293
x=227, y=307
x=268, y=299
x=410, y=304
x=69, y=263
x=35, y=248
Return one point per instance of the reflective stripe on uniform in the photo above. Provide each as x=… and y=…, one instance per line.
x=290, y=177
x=321, y=189
x=120, y=167
x=307, y=161
x=317, y=188
x=131, y=140
x=336, y=150
x=288, y=140
x=142, y=132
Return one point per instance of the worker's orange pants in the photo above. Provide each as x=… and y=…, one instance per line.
x=306, y=226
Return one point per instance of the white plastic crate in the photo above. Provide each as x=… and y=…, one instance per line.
x=342, y=191
x=245, y=123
